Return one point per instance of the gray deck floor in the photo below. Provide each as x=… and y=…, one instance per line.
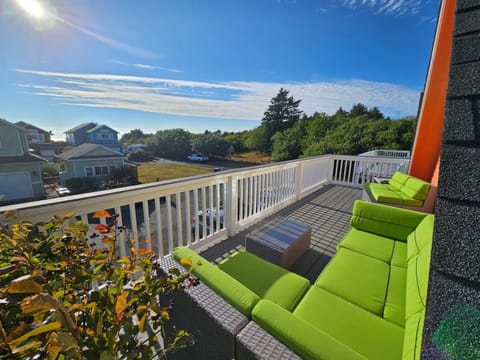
x=327, y=211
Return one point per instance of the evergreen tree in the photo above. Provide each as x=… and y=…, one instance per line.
x=282, y=113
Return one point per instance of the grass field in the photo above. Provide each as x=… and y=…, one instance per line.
x=154, y=172
x=252, y=157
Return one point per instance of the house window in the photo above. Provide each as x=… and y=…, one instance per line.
x=98, y=170
x=105, y=135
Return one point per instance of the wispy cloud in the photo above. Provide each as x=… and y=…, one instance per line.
x=146, y=66
x=223, y=100
x=392, y=7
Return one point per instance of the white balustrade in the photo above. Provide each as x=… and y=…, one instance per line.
x=199, y=210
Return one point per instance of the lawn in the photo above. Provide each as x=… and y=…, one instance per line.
x=154, y=172
x=252, y=157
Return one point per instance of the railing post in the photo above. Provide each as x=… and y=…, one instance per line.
x=230, y=212
x=331, y=162
x=298, y=180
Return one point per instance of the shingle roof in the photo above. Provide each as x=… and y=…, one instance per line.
x=98, y=127
x=81, y=151
x=29, y=158
x=81, y=126
x=24, y=125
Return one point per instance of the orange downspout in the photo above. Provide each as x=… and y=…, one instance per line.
x=428, y=138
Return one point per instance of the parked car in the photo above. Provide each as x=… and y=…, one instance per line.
x=62, y=191
x=197, y=157
x=203, y=219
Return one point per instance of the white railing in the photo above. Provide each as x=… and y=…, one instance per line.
x=197, y=211
x=399, y=154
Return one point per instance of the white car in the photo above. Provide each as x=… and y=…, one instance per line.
x=200, y=220
x=197, y=157
x=62, y=191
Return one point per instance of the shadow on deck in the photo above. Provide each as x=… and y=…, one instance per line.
x=327, y=211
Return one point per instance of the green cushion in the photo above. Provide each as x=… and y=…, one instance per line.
x=360, y=279
x=416, y=188
x=394, y=310
x=234, y=292
x=421, y=236
x=382, y=193
x=373, y=245
x=417, y=281
x=412, y=342
x=408, y=200
x=304, y=339
x=384, y=220
x=265, y=279
x=399, y=257
x=397, y=180
x=366, y=333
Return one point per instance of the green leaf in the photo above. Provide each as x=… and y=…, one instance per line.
x=27, y=347
x=142, y=323
x=24, y=286
x=106, y=355
x=40, y=330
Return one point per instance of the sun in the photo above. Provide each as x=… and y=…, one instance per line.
x=33, y=8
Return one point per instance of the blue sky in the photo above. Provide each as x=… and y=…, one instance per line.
x=207, y=64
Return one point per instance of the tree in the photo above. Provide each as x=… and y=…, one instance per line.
x=211, y=144
x=287, y=145
x=358, y=110
x=256, y=139
x=174, y=143
x=281, y=114
x=135, y=136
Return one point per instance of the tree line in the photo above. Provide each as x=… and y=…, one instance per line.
x=287, y=133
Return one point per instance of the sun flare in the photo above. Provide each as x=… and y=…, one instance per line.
x=32, y=8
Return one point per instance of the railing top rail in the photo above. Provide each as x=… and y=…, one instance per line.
x=384, y=159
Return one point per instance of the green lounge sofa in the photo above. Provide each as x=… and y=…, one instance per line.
x=402, y=190
x=368, y=303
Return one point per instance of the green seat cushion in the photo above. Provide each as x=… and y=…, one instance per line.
x=409, y=201
x=382, y=193
x=412, y=340
x=397, y=180
x=364, y=332
x=360, y=279
x=421, y=236
x=416, y=188
x=300, y=336
x=231, y=290
x=394, y=310
x=373, y=245
x=392, y=222
x=265, y=279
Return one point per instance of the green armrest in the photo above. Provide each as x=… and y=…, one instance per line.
x=301, y=337
x=231, y=290
x=395, y=223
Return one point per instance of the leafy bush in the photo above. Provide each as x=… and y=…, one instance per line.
x=79, y=185
x=140, y=156
x=62, y=297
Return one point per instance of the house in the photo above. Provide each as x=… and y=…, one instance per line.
x=20, y=171
x=90, y=160
x=95, y=134
x=40, y=141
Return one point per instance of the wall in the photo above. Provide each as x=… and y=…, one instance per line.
x=452, y=326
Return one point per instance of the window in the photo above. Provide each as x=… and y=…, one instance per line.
x=105, y=135
x=98, y=170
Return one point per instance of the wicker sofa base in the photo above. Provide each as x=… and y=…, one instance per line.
x=212, y=321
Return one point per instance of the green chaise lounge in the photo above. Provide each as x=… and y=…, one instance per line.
x=402, y=190
x=368, y=303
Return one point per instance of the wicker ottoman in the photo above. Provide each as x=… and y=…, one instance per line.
x=281, y=241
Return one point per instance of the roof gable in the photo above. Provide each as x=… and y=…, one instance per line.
x=89, y=151
x=98, y=127
x=25, y=125
x=83, y=126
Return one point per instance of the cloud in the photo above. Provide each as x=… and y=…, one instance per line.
x=147, y=67
x=391, y=7
x=239, y=100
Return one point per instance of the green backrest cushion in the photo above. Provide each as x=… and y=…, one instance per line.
x=231, y=290
x=420, y=237
x=265, y=279
x=395, y=223
x=417, y=281
x=359, y=279
x=416, y=188
x=306, y=340
x=412, y=344
x=398, y=179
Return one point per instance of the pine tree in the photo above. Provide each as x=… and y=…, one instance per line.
x=282, y=113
